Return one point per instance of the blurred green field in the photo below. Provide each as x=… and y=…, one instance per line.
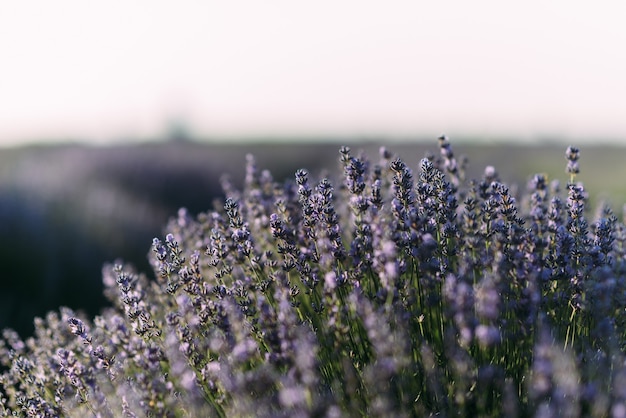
x=66, y=210
x=602, y=168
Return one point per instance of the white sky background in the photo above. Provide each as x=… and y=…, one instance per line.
x=395, y=69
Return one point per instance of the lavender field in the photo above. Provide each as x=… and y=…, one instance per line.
x=316, y=281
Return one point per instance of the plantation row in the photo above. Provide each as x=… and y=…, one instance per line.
x=383, y=293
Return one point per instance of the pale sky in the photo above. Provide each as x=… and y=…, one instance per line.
x=113, y=70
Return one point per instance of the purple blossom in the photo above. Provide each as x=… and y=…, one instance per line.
x=378, y=293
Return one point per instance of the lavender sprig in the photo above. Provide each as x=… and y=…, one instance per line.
x=376, y=293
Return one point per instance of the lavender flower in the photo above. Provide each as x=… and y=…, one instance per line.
x=572, y=154
x=378, y=293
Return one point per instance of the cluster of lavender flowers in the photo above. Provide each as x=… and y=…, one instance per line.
x=386, y=293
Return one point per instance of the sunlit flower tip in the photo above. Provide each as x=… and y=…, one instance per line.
x=388, y=249
x=487, y=302
x=391, y=270
x=384, y=153
x=397, y=165
x=359, y=203
x=465, y=336
x=244, y=350
x=538, y=182
x=426, y=164
x=490, y=172
x=77, y=327
x=428, y=241
x=345, y=154
x=487, y=335
x=301, y=176
x=572, y=153
x=330, y=280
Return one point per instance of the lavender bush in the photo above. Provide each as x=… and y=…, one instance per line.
x=385, y=293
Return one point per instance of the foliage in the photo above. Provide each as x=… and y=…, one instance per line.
x=382, y=294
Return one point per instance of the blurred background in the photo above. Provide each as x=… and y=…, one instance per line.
x=114, y=115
